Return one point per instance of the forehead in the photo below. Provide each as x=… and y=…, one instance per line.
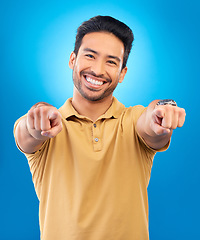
x=103, y=43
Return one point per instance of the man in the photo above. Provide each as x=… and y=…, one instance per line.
x=91, y=159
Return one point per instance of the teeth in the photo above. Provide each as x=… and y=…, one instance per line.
x=95, y=82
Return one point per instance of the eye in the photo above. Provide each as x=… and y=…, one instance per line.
x=112, y=62
x=89, y=56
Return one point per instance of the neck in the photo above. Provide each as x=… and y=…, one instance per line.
x=91, y=109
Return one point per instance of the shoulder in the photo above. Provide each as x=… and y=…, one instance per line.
x=118, y=109
x=66, y=109
x=133, y=113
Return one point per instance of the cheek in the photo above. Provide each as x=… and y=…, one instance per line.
x=116, y=75
x=76, y=69
x=80, y=66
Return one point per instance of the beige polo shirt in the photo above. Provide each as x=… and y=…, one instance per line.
x=92, y=178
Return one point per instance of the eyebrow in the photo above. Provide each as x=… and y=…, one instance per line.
x=90, y=50
x=95, y=52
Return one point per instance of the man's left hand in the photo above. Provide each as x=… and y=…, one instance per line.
x=166, y=118
x=156, y=124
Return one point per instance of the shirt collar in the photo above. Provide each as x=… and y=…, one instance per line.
x=114, y=111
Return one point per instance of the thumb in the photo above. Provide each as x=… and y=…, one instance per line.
x=159, y=130
x=53, y=131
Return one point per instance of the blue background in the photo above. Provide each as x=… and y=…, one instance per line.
x=37, y=38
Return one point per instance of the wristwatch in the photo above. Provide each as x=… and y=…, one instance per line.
x=167, y=102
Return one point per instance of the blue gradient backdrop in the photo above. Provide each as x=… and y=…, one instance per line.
x=37, y=38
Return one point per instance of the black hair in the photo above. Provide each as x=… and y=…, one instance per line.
x=106, y=24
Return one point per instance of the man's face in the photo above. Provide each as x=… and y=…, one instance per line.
x=97, y=66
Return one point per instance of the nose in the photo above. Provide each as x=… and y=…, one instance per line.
x=98, y=68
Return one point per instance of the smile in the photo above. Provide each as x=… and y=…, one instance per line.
x=94, y=82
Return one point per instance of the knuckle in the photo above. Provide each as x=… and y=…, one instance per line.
x=40, y=105
x=180, y=110
x=30, y=113
x=36, y=111
x=169, y=107
x=43, y=110
x=56, y=112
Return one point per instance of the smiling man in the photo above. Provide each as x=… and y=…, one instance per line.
x=91, y=159
x=97, y=69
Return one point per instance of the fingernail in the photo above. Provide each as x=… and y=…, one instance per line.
x=166, y=131
x=45, y=134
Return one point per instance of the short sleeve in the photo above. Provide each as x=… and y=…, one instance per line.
x=36, y=161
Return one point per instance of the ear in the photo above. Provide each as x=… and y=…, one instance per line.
x=122, y=75
x=72, y=60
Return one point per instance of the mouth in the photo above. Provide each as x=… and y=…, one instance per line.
x=93, y=81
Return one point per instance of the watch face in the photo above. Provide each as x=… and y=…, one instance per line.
x=166, y=102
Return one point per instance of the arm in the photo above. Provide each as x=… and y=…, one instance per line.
x=42, y=122
x=156, y=124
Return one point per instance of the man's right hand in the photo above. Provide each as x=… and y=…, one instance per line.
x=42, y=122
